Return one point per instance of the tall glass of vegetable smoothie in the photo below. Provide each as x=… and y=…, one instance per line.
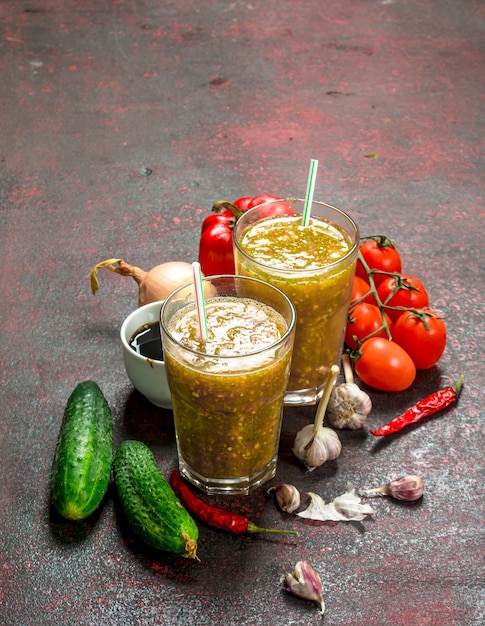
x=314, y=265
x=227, y=391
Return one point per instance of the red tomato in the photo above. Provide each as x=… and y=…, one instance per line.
x=364, y=320
x=379, y=254
x=423, y=337
x=359, y=289
x=409, y=293
x=385, y=365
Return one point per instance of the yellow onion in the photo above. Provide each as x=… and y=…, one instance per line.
x=154, y=285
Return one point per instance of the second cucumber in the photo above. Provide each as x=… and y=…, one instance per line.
x=149, y=503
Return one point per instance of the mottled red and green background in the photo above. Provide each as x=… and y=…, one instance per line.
x=222, y=99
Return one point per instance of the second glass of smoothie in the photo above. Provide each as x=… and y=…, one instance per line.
x=314, y=265
x=227, y=390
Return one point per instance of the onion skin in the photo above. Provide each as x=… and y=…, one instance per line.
x=154, y=285
x=162, y=280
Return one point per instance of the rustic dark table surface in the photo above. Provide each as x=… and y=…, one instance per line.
x=219, y=100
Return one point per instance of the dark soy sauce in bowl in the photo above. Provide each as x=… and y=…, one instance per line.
x=147, y=341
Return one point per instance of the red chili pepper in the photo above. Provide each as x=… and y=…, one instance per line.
x=215, y=516
x=215, y=246
x=433, y=403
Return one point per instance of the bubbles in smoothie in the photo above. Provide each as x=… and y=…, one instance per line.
x=236, y=326
x=284, y=243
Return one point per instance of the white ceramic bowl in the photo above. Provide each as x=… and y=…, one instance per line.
x=147, y=375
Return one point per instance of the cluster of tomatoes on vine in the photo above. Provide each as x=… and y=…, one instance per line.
x=391, y=330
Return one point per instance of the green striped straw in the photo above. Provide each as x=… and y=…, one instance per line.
x=312, y=177
x=199, y=300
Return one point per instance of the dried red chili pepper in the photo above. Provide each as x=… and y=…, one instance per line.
x=215, y=246
x=215, y=516
x=433, y=403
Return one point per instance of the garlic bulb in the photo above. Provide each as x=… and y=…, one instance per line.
x=348, y=406
x=315, y=444
x=314, y=449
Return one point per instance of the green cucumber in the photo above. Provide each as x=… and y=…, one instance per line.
x=149, y=503
x=81, y=468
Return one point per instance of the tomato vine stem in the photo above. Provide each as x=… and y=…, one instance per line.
x=382, y=306
x=383, y=241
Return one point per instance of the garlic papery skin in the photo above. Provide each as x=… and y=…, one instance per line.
x=287, y=497
x=349, y=505
x=348, y=407
x=305, y=583
x=344, y=508
x=314, y=449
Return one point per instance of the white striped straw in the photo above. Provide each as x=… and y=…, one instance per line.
x=312, y=177
x=199, y=300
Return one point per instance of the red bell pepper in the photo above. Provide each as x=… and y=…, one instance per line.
x=244, y=203
x=215, y=246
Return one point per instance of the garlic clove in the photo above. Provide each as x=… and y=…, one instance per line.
x=333, y=443
x=303, y=439
x=305, y=583
x=316, y=454
x=407, y=488
x=287, y=497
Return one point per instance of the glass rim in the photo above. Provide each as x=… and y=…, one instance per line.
x=274, y=345
x=304, y=272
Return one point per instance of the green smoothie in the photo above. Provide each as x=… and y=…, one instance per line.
x=227, y=392
x=314, y=265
